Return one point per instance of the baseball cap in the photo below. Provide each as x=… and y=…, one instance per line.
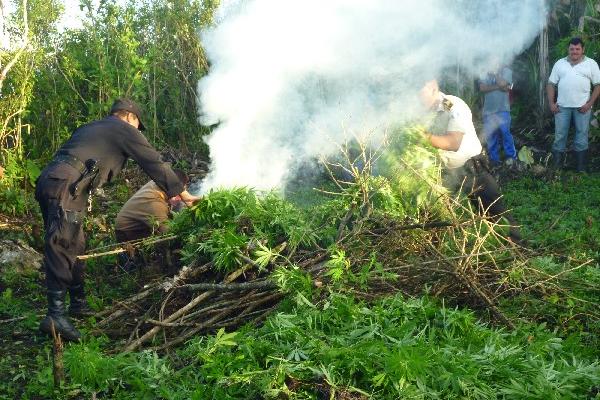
x=131, y=106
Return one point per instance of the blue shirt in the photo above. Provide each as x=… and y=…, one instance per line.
x=496, y=100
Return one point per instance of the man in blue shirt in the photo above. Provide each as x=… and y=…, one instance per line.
x=496, y=114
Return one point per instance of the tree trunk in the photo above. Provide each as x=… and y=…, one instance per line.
x=24, y=43
x=543, y=77
x=577, y=12
x=2, y=32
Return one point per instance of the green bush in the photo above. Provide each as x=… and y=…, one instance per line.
x=394, y=348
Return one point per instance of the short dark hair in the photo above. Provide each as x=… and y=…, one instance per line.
x=575, y=41
x=183, y=177
x=122, y=113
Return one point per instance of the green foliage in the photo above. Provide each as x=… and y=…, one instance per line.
x=19, y=288
x=219, y=208
x=399, y=348
x=227, y=223
x=338, y=265
x=150, y=52
x=391, y=348
x=33, y=171
x=13, y=306
x=568, y=300
x=145, y=374
x=18, y=91
x=414, y=172
x=17, y=184
x=293, y=280
x=13, y=201
x=90, y=367
x=563, y=214
x=19, y=296
x=223, y=246
x=206, y=350
x=394, y=348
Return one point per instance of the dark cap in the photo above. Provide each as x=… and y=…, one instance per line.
x=130, y=106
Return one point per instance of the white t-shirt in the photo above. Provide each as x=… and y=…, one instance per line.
x=459, y=119
x=574, y=81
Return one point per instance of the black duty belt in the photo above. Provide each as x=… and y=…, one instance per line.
x=70, y=160
x=88, y=178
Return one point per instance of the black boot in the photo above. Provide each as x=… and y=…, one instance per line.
x=56, y=316
x=557, y=159
x=79, y=306
x=514, y=233
x=581, y=160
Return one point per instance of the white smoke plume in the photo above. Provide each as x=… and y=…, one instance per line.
x=290, y=78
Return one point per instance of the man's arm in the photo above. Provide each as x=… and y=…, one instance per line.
x=504, y=79
x=488, y=88
x=188, y=198
x=450, y=141
x=141, y=151
x=133, y=144
x=590, y=103
x=502, y=83
x=551, y=94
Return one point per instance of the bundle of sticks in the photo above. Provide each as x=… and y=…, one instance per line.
x=188, y=303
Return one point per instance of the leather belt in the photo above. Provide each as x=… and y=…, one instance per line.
x=70, y=160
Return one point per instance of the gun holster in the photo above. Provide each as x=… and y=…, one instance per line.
x=478, y=164
x=87, y=181
x=74, y=217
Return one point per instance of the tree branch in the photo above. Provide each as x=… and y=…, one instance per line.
x=229, y=287
x=24, y=44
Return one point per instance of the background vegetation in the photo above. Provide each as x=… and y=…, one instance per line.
x=59, y=79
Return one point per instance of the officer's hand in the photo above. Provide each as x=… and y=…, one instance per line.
x=554, y=108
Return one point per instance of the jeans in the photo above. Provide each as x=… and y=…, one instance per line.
x=562, y=123
x=496, y=128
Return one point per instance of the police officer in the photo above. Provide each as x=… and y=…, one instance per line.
x=453, y=133
x=95, y=154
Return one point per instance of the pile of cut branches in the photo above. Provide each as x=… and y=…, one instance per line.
x=371, y=237
x=376, y=256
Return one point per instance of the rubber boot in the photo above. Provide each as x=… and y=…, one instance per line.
x=79, y=306
x=56, y=316
x=557, y=159
x=580, y=160
x=514, y=232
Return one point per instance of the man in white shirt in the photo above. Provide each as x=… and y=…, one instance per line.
x=573, y=76
x=453, y=133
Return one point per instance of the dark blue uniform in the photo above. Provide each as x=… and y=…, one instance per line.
x=94, y=154
x=110, y=142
